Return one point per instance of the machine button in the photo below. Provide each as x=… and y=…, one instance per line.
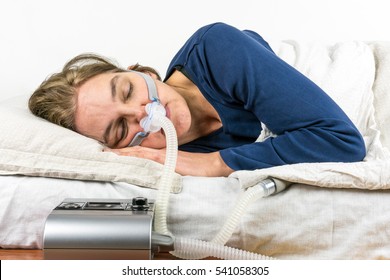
x=140, y=203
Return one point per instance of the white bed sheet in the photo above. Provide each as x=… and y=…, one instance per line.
x=304, y=222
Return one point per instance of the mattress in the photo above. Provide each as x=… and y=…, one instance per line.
x=303, y=222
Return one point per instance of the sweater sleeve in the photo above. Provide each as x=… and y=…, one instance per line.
x=311, y=127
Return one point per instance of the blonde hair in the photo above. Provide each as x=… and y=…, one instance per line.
x=55, y=99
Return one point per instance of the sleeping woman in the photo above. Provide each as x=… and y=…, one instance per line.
x=220, y=87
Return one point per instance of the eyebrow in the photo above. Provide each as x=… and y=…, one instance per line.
x=113, y=83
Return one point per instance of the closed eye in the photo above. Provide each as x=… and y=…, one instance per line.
x=120, y=135
x=124, y=130
x=128, y=94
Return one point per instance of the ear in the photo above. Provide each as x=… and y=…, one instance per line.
x=154, y=76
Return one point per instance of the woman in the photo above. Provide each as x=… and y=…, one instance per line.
x=221, y=85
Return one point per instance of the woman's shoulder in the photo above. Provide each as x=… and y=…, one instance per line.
x=219, y=33
x=208, y=35
x=216, y=26
x=213, y=29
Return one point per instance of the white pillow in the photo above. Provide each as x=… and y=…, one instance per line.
x=34, y=147
x=381, y=88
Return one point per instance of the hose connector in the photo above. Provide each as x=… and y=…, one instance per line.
x=273, y=186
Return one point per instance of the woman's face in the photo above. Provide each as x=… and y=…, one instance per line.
x=110, y=106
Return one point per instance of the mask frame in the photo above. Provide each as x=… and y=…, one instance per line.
x=153, y=96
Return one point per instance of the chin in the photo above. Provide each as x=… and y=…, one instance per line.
x=155, y=141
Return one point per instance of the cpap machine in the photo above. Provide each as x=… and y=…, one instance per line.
x=136, y=228
x=104, y=229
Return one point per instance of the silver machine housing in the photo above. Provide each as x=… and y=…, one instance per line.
x=103, y=229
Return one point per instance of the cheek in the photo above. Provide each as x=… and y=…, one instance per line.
x=182, y=123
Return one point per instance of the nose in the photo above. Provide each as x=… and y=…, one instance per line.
x=134, y=113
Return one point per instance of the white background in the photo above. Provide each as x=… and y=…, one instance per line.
x=278, y=270
x=38, y=36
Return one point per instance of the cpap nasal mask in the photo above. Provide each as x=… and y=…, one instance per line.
x=154, y=109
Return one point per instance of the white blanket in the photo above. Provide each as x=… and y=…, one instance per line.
x=346, y=71
x=372, y=175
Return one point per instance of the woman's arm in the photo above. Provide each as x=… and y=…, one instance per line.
x=242, y=72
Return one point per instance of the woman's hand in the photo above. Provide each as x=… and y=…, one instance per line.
x=194, y=164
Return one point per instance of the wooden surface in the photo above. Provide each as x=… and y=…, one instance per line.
x=21, y=254
x=17, y=254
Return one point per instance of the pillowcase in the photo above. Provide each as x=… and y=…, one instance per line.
x=381, y=88
x=34, y=147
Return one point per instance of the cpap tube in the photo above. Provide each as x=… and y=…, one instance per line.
x=230, y=224
x=186, y=246
x=190, y=248
x=265, y=188
x=156, y=120
x=167, y=177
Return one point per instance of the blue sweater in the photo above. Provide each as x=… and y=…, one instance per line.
x=247, y=83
